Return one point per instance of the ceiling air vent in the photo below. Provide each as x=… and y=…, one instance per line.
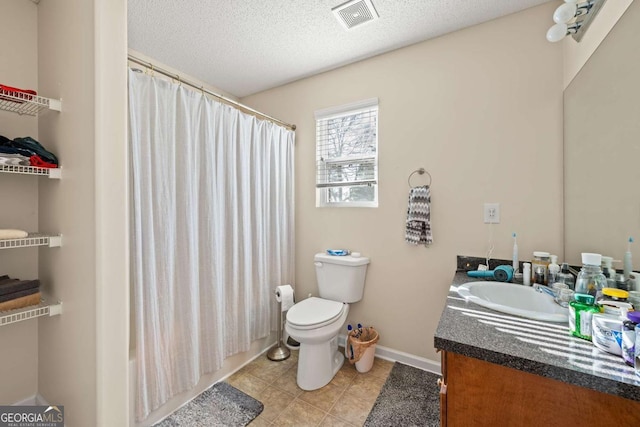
x=355, y=12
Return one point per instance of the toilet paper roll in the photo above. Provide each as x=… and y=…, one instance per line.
x=284, y=295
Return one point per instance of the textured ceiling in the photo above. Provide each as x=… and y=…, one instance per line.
x=244, y=47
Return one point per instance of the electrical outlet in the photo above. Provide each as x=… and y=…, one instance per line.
x=492, y=213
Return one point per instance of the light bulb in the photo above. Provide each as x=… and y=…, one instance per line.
x=565, y=13
x=557, y=32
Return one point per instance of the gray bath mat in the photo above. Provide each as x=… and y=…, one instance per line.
x=409, y=397
x=221, y=405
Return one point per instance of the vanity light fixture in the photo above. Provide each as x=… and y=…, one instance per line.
x=573, y=18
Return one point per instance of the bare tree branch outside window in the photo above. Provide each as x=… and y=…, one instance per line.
x=350, y=156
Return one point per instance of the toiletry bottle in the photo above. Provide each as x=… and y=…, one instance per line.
x=606, y=331
x=608, y=271
x=621, y=282
x=629, y=336
x=590, y=279
x=539, y=264
x=581, y=311
x=526, y=274
x=636, y=358
x=566, y=277
x=634, y=300
x=628, y=263
x=554, y=270
x=514, y=258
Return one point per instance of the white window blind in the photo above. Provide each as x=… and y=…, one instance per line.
x=347, y=154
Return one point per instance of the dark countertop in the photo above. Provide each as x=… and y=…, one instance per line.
x=543, y=348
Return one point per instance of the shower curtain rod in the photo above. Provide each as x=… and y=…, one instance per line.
x=222, y=98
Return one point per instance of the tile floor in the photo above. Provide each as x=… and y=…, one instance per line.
x=345, y=401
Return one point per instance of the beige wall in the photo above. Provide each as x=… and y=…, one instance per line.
x=83, y=354
x=67, y=343
x=19, y=195
x=481, y=110
x=576, y=54
x=112, y=213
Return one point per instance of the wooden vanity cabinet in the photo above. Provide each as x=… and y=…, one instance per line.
x=474, y=392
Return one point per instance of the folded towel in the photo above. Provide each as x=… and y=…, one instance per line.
x=7, y=233
x=418, y=225
x=18, y=294
x=26, y=301
x=9, y=286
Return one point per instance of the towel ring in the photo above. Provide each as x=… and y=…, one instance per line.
x=420, y=171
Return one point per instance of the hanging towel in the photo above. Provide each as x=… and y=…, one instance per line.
x=418, y=227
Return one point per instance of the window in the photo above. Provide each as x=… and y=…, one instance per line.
x=347, y=155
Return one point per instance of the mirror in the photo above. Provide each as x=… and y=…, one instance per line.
x=602, y=147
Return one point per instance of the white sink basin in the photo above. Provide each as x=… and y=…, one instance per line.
x=519, y=300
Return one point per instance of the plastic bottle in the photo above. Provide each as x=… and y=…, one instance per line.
x=608, y=271
x=539, y=265
x=566, y=277
x=636, y=359
x=606, y=332
x=621, y=282
x=628, y=262
x=526, y=274
x=554, y=270
x=514, y=257
x=629, y=337
x=581, y=311
x=634, y=299
x=590, y=280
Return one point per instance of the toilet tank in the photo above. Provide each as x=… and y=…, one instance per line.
x=341, y=278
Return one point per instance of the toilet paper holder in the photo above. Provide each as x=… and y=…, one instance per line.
x=278, y=352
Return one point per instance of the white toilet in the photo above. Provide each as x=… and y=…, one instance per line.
x=316, y=322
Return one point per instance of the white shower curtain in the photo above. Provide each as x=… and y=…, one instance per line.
x=212, y=223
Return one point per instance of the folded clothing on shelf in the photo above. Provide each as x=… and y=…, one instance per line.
x=19, y=294
x=9, y=286
x=26, y=94
x=37, y=161
x=22, y=302
x=28, y=147
x=14, y=159
x=14, y=293
x=9, y=233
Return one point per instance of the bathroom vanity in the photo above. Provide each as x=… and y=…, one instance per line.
x=500, y=369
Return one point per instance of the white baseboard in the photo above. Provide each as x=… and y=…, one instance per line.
x=402, y=357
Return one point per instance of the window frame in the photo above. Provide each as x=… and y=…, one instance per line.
x=322, y=192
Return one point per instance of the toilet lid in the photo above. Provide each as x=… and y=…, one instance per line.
x=312, y=311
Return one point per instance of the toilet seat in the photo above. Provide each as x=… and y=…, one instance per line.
x=313, y=313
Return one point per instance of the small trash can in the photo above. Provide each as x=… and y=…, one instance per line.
x=361, y=348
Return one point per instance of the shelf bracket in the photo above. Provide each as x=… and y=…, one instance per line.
x=55, y=309
x=55, y=241
x=55, y=173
